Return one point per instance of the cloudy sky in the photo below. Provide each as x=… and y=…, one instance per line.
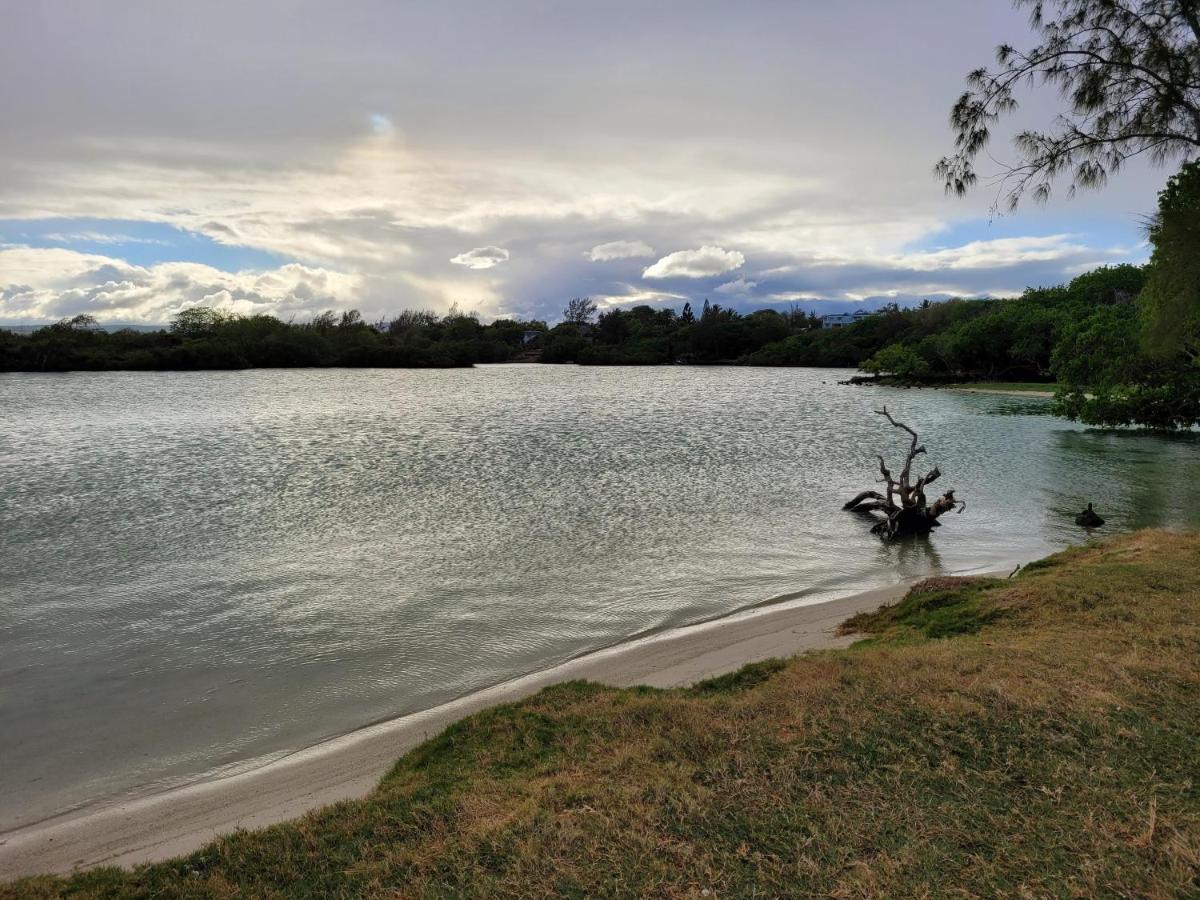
x=291, y=156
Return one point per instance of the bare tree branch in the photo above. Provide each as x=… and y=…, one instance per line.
x=904, y=506
x=913, y=452
x=878, y=502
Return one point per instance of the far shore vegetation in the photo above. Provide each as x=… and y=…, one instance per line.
x=1027, y=737
x=1095, y=340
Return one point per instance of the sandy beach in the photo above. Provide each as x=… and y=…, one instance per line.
x=180, y=820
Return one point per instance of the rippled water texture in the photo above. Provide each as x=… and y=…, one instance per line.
x=201, y=568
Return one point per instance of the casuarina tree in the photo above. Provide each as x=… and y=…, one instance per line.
x=1128, y=72
x=580, y=310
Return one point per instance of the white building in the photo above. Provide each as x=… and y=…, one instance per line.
x=841, y=320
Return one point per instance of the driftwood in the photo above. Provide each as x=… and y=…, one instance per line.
x=904, y=505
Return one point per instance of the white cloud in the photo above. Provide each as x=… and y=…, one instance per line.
x=51, y=283
x=836, y=234
x=392, y=213
x=470, y=292
x=701, y=263
x=792, y=297
x=739, y=287
x=619, y=250
x=481, y=257
x=993, y=254
x=633, y=295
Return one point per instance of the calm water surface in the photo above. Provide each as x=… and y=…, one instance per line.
x=199, y=569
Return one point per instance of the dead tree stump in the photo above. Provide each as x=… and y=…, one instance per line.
x=904, y=506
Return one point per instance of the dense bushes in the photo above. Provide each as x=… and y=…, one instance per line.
x=643, y=335
x=1140, y=365
x=1012, y=339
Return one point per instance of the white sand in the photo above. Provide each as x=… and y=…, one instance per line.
x=180, y=820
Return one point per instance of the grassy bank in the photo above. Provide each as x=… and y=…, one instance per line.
x=1037, y=736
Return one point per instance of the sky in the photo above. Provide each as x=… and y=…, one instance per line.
x=293, y=156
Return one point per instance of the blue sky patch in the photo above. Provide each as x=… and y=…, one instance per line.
x=1096, y=231
x=139, y=243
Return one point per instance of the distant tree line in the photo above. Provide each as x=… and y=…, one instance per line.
x=1011, y=339
x=643, y=335
x=954, y=340
x=206, y=338
x=1122, y=343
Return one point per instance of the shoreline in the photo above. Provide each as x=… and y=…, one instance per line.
x=156, y=826
x=998, y=389
x=1044, y=395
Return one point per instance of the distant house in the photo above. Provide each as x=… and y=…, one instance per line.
x=530, y=336
x=841, y=320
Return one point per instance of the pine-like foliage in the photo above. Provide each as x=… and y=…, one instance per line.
x=1129, y=74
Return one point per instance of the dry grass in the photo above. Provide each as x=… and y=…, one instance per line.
x=1033, y=737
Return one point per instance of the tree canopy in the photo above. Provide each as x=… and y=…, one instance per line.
x=1139, y=364
x=897, y=359
x=1129, y=74
x=579, y=311
x=1171, y=299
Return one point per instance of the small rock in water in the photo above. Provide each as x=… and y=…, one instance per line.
x=1088, y=518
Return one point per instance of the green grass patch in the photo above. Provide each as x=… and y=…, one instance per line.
x=746, y=677
x=934, y=608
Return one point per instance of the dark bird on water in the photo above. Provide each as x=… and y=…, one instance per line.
x=1088, y=518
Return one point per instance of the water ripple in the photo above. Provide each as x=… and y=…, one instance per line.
x=200, y=568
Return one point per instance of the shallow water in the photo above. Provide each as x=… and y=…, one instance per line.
x=197, y=569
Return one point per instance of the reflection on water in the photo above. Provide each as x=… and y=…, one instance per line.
x=1136, y=480
x=200, y=568
x=1017, y=406
x=915, y=553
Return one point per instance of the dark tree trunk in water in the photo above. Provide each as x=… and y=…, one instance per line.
x=904, y=505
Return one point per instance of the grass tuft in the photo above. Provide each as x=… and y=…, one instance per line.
x=743, y=679
x=935, y=608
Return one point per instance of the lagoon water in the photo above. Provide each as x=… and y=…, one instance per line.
x=202, y=569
